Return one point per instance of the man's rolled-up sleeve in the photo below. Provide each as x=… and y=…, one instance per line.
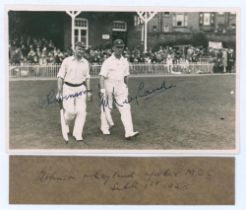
x=104, y=69
x=62, y=70
x=127, y=69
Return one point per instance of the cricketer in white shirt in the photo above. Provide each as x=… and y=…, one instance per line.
x=113, y=84
x=73, y=88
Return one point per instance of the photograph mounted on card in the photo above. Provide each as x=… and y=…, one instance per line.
x=122, y=180
x=134, y=80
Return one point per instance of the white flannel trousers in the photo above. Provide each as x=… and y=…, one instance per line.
x=74, y=104
x=117, y=93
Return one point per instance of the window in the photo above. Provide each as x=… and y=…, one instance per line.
x=206, y=19
x=119, y=26
x=180, y=20
x=76, y=35
x=80, y=22
x=81, y=31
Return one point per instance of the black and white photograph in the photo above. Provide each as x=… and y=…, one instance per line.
x=110, y=79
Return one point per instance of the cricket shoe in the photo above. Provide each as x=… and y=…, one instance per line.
x=78, y=138
x=131, y=135
x=66, y=140
x=105, y=131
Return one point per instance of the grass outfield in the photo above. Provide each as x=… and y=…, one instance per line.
x=196, y=113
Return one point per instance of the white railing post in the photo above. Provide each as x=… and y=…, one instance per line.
x=51, y=70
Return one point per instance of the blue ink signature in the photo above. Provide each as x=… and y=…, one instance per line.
x=50, y=98
x=104, y=101
x=146, y=94
x=75, y=95
x=141, y=93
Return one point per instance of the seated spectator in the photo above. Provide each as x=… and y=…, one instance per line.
x=35, y=60
x=45, y=51
x=60, y=56
x=51, y=58
x=30, y=55
x=24, y=50
x=38, y=52
x=16, y=56
x=43, y=59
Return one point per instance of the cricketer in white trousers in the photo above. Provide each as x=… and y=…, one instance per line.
x=117, y=93
x=74, y=73
x=114, y=71
x=74, y=104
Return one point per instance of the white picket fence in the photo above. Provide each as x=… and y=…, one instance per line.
x=51, y=70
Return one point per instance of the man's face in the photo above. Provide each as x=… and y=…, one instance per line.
x=79, y=51
x=118, y=51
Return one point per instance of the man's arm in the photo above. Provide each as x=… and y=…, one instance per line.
x=103, y=75
x=88, y=84
x=102, y=87
x=127, y=73
x=102, y=82
x=61, y=75
x=59, y=89
x=88, y=89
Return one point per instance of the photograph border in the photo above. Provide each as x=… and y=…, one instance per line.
x=240, y=156
x=123, y=152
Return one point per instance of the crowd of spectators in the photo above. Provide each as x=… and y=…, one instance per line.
x=32, y=50
x=161, y=55
x=223, y=59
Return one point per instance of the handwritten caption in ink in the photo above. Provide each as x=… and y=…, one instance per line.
x=118, y=180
